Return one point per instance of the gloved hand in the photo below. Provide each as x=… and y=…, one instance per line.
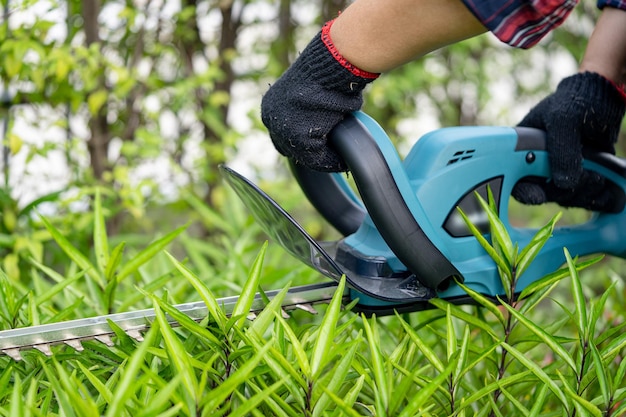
x=585, y=111
x=310, y=98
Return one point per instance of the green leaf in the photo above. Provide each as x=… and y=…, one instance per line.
x=263, y=321
x=207, y=296
x=582, y=405
x=251, y=403
x=102, y=389
x=499, y=234
x=579, y=298
x=503, y=266
x=17, y=405
x=339, y=374
x=484, y=301
x=544, y=336
x=74, y=254
x=423, y=395
x=126, y=386
x=326, y=331
x=57, y=288
x=114, y=261
x=248, y=292
x=488, y=389
x=462, y=358
x=532, y=249
x=179, y=358
x=521, y=409
x=466, y=317
x=345, y=407
x=539, y=401
x=539, y=373
x=298, y=349
x=215, y=398
x=100, y=240
x=601, y=374
x=430, y=354
x=185, y=321
x=378, y=365
x=554, y=277
x=96, y=100
x=148, y=253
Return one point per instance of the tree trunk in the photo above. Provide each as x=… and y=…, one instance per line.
x=98, y=142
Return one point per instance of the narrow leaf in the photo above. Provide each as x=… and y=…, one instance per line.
x=296, y=346
x=339, y=374
x=425, y=394
x=539, y=373
x=114, y=261
x=579, y=298
x=263, y=321
x=179, y=358
x=544, y=336
x=484, y=301
x=430, y=355
x=461, y=314
x=581, y=404
x=148, y=253
x=377, y=363
x=246, y=297
x=538, y=402
x=251, y=403
x=100, y=240
x=71, y=251
x=532, y=249
x=326, y=331
x=502, y=264
x=207, y=296
x=124, y=388
x=215, y=398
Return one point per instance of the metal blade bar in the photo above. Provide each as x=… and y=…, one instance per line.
x=134, y=323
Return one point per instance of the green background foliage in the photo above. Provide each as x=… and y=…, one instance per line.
x=116, y=115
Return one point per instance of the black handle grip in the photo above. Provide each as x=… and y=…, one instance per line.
x=387, y=207
x=329, y=199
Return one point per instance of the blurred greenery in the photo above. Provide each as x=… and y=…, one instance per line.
x=136, y=104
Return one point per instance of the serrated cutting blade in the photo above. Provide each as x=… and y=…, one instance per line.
x=135, y=323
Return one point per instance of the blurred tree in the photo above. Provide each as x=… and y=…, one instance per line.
x=142, y=84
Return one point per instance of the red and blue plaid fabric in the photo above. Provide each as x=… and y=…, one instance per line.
x=521, y=23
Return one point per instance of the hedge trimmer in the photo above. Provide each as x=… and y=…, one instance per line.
x=405, y=241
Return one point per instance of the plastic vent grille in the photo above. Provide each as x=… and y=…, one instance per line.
x=461, y=156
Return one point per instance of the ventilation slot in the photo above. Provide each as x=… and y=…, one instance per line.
x=461, y=156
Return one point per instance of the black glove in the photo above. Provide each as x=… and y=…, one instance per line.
x=585, y=111
x=310, y=98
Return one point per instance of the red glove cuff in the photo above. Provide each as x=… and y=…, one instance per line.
x=344, y=62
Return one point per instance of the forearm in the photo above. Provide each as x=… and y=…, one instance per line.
x=379, y=35
x=606, y=50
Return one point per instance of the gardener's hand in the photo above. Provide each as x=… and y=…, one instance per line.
x=310, y=98
x=585, y=111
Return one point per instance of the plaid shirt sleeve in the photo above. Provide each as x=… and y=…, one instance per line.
x=522, y=23
x=618, y=4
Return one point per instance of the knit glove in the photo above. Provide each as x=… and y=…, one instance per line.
x=585, y=111
x=310, y=98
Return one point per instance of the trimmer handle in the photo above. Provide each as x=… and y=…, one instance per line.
x=382, y=198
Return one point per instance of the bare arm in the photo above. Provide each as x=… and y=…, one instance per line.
x=378, y=36
x=606, y=51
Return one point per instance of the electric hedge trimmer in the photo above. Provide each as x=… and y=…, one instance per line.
x=404, y=240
